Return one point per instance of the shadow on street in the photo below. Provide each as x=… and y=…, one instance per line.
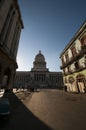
x=21, y=117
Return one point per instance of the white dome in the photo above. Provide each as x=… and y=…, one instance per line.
x=39, y=64
x=39, y=57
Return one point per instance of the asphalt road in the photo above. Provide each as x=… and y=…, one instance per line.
x=46, y=110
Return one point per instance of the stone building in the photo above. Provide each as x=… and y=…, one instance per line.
x=73, y=60
x=39, y=76
x=10, y=29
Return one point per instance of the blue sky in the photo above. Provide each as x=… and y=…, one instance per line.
x=49, y=25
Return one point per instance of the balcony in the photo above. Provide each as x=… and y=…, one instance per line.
x=81, y=68
x=75, y=57
x=83, y=49
x=78, y=69
x=65, y=64
x=68, y=73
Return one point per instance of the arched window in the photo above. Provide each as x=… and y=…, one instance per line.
x=71, y=79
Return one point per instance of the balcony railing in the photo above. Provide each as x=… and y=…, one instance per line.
x=79, y=69
x=68, y=73
x=74, y=70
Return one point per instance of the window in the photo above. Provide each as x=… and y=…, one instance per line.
x=62, y=60
x=73, y=49
x=77, y=65
x=67, y=58
x=69, y=69
x=83, y=40
x=71, y=79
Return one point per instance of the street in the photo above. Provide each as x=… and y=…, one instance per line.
x=46, y=110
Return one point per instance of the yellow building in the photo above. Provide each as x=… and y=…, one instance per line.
x=10, y=29
x=73, y=60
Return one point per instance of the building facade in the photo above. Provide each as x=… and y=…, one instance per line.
x=10, y=29
x=73, y=60
x=39, y=76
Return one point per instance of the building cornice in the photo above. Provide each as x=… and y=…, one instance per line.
x=74, y=38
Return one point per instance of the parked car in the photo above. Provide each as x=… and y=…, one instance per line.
x=4, y=108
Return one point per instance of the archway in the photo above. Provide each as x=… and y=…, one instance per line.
x=72, y=86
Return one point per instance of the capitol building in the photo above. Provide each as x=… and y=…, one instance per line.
x=39, y=76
